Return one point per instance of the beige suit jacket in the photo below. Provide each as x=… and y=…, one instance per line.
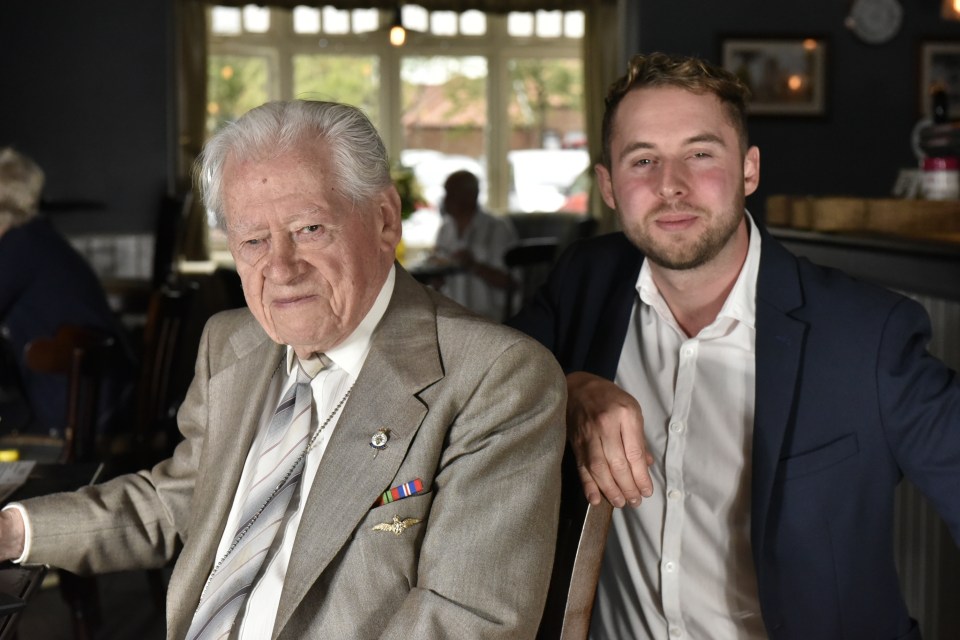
x=474, y=410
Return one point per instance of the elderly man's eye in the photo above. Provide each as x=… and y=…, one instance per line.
x=313, y=228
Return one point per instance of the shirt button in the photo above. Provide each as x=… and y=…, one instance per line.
x=688, y=351
x=676, y=632
x=676, y=427
x=674, y=494
x=669, y=567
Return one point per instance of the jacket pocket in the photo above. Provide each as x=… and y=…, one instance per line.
x=406, y=511
x=815, y=460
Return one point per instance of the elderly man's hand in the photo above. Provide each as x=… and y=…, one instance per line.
x=12, y=536
x=605, y=429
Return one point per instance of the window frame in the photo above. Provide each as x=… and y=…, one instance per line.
x=280, y=44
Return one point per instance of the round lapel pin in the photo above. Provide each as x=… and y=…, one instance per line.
x=379, y=440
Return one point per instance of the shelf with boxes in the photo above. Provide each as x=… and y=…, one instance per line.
x=925, y=219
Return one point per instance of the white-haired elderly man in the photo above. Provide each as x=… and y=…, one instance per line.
x=361, y=457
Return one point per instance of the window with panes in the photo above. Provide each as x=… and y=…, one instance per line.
x=498, y=95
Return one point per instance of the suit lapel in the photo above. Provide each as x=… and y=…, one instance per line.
x=603, y=356
x=234, y=414
x=403, y=360
x=780, y=342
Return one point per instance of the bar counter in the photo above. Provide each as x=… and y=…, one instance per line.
x=925, y=266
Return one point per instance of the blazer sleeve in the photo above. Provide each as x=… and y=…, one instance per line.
x=486, y=558
x=920, y=398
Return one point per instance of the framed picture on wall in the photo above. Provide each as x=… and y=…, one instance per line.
x=786, y=76
x=940, y=68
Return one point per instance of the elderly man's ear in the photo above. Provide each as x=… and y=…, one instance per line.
x=390, y=218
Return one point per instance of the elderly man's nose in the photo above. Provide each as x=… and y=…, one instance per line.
x=282, y=261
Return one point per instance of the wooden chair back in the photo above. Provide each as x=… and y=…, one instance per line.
x=581, y=540
x=80, y=354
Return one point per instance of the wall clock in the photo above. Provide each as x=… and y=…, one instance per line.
x=875, y=21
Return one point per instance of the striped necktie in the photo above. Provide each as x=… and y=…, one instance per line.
x=278, y=473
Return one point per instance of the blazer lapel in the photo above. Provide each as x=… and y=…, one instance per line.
x=236, y=398
x=780, y=342
x=603, y=356
x=404, y=359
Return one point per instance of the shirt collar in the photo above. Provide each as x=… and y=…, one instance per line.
x=350, y=354
x=741, y=303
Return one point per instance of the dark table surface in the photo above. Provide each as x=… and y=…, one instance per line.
x=47, y=478
x=18, y=583
x=17, y=586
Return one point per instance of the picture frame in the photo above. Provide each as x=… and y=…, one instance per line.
x=786, y=76
x=940, y=65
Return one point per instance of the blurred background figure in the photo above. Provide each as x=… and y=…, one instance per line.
x=45, y=284
x=474, y=241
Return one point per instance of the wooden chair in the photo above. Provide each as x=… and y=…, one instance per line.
x=581, y=539
x=79, y=354
x=529, y=262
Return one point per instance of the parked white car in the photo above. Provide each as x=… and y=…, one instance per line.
x=541, y=178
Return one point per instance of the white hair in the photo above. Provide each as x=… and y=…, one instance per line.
x=21, y=182
x=359, y=157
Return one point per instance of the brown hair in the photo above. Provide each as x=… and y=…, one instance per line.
x=693, y=74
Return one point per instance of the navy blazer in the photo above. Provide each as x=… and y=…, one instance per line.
x=847, y=401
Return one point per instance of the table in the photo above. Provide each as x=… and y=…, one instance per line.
x=17, y=586
x=51, y=477
x=18, y=583
x=427, y=272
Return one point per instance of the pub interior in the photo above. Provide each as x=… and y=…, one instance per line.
x=92, y=92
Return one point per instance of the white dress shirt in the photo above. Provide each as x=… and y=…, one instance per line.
x=679, y=565
x=329, y=386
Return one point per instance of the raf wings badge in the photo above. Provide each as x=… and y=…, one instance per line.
x=398, y=526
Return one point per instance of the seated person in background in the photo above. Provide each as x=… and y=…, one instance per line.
x=357, y=460
x=44, y=284
x=475, y=241
x=780, y=402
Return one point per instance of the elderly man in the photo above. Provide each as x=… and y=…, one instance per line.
x=405, y=486
x=475, y=241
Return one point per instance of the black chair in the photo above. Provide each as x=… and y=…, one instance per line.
x=166, y=371
x=529, y=262
x=169, y=228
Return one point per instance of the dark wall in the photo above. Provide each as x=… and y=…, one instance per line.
x=86, y=93
x=872, y=90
